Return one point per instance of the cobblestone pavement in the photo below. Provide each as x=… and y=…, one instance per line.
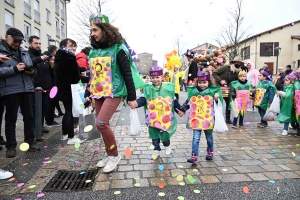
x=247, y=155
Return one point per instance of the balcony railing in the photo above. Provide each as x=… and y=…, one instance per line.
x=11, y=2
x=63, y=35
x=57, y=9
x=37, y=16
x=7, y=27
x=27, y=9
x=57, y=32
x=62, y=14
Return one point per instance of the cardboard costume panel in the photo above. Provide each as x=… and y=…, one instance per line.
x=259, y=96
x=243, y=99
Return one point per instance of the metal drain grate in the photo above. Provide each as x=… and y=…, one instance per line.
x=68, y=181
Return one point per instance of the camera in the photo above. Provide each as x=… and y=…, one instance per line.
x=29, y=68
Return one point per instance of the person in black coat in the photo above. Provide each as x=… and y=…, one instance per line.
x=66, y=72
x=193, y=67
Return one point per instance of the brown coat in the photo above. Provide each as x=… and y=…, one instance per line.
x=224, y=73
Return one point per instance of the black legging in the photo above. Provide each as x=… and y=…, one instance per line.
x=177, y=96
x=68, y=120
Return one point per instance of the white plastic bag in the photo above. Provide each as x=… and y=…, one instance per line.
x=234, y=109
x=135, y=126
x=77, y=99
x=269, y=116
x=275, y=105
x=220, y=125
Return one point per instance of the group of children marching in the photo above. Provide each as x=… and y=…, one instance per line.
x=160, y=106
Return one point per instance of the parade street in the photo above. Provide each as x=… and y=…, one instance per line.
x=249, y=163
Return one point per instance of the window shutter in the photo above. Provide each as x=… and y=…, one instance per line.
x=276, y=44
x=262, y=49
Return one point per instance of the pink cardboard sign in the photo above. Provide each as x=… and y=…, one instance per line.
x=243, y=97
x=297, y=101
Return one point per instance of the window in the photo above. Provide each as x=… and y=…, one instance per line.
x=26, y=33
x=11, y=2
x=37, y=5
x=57, y=27
x=27, y=8
x=245, y=53
x=48, y=16
x=63, y=35
x=57, y=43
x=298, y=47
x=49, y=37
x=56, y=7
x=9, y=19
x=37, y=32
x=266, y=49
x=298, y=64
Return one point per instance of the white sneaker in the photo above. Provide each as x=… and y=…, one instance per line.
x=284, y=132
x=74, y=140
x=112, y=163
x=155, y=154
x=64, y=137
x=76, y=130
x=5, y=174
x=102, y=162
x=168, y=150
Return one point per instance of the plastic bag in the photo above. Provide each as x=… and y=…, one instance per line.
x=275, y=106
x=84, y=121
x=220, y=125
x=135, y=126
x=269, y=116
x=234, y=109
x=77, y=99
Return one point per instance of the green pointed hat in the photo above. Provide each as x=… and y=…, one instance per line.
x=99, y=19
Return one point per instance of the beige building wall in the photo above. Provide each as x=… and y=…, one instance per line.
x=46, y=29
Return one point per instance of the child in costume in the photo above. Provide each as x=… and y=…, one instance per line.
x=264, y=94
x=295, y=125
x=201, y=114
x=287, y=111
x=240, y=91
x=160, y=106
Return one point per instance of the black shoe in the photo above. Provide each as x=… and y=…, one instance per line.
x=40, y=140
x=2, y=141
x=297, y=135
x=1, y=148
x=56, y=116
x=54, y=123
x=45, y=130
x=10, y=153
x=34, y=147
x=61, y=113
x=228, y=121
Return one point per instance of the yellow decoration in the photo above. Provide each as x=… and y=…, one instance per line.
x=172, y=60
x=160, y=113
x=103, y=20
x=242, y=72
x=175, y=79
x=259, y=96
x=101, y=84
x=201, y=113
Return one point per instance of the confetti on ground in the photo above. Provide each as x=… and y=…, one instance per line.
x=265, y=159
x=274, y=151
x=88, y=128
x=40, y=195
x=151, y=147
x=241, y=130
x=24, y=146
x=122, y=118
x=161, y=194
x=47, y=158
x=201, y=151
x=25, y=164
x=18, y=199
x=88, y=181
x=195, y=170
x=71, y=160
x=97, y=148
x=137, y=185
x=293, y=154
x=170, y=160
x=225, y=170
x=117, y=192
x=161, y=167
x=128, y=153
x=180, y=198
x=32, y=186
x=49, y=162
x=112, y=146
x=137, y=178
x=278, y=190
x=167, y=171
x=154, y=157
x=61, y=148
x=77, y=145
x=161, y=185
x=242, y=148
x=279, y=146
x=152, y=161
x=195, y=180
x=181, y=183
x=272, y=181
x=297, y=145
x=179, y=178
x=180, y=166
x=190, y=179
x=297, y=157
x=289, y=145
x=197, y=191
x=45, y=147
x=11, y=179
x=82, y=173
x=20, y=184
x=247, y=123
x=101, y=122
x=263, y=148
x=245, y=189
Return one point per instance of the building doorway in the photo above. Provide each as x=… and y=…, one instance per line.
x=271, y=67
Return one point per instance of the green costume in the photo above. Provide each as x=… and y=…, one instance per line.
x=210, y=91
x=287, y=111
x=264, y=102
x=118, y=84
x=236, y=85
x=152, y=93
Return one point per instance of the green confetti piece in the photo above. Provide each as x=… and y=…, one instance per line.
x=190, y=178
x=137, y=185
x=278, y=190
x=77, y=145
x=174, y=175
x=279, y=146
x=195, y=170
x=181, y=183
x=161, y=194
x=297, y=145
x=49, y=161
x=180, y=198
x=32, y=186
x=197, y=191
x=117, y=192
x=179, y=178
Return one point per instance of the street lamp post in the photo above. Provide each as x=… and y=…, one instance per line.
x=277, y=49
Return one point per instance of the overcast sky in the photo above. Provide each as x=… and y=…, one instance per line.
x=152, y=25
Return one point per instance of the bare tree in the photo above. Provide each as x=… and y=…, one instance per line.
x=79, y=17
x=233, y=33
x=179, y=45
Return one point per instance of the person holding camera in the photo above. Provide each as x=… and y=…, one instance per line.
x=16, y=88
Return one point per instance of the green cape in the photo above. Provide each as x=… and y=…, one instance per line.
x=287, y=111
x=266, y=85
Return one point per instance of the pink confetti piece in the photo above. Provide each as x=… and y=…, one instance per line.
x=47, y=158
x=76, y=162
x=288, y=145
x=20, y=184
x=152, y=161
x=61, y=148
x=18, y=199
x=40, y=195
x=97, y=148
x=45, y=147
x=263, y=148
x=247, y=123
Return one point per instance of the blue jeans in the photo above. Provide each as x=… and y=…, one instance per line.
x=1, y=114
x=286, y=126
x=196, y=140
x=156, y=145
x=235, y=119
x=262, y=113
